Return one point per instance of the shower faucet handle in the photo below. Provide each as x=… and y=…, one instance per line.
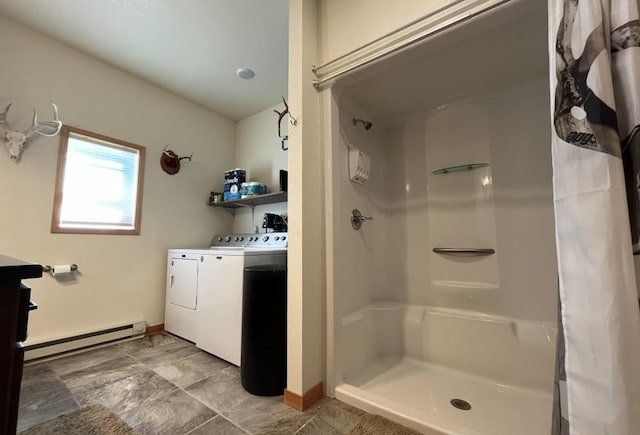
x=357, y=219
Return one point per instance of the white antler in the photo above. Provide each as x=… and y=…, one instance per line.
x=3, y=117
x=15, y=140
x=46, y=128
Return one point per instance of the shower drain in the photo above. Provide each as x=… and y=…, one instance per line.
x=461, y=404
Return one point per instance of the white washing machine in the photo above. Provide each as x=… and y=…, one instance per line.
x=204, y=289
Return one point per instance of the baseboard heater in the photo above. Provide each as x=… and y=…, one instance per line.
x=83, y=341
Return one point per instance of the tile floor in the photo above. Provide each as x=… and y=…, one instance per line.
x=164, y=385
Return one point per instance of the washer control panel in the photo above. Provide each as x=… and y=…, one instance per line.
x=265, y=240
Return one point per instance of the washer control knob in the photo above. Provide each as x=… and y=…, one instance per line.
x=265, y=238
x=227, y=239
x=219, y=239
x=241, y=239
x=284, y=237
x=277, y=238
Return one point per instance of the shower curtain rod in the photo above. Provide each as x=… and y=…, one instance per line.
x=431, y=31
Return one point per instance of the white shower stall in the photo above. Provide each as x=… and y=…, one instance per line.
x=442, y=309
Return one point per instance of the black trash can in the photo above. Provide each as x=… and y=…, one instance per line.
x=263, y=367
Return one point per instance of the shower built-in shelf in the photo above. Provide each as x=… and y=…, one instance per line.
x=459, y=168
x=465, y=251
x=464, y=285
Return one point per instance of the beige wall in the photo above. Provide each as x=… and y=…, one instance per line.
x=258, y=151
x=346, y=25
x=306, y=280
x=121, y=278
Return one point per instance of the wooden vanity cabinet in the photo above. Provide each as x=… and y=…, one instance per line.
x=15, y=305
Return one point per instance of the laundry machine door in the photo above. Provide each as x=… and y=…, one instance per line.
x=182, y=283
x=219, y=313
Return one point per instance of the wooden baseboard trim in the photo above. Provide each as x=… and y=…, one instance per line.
x=154, y=329
x=302, y=403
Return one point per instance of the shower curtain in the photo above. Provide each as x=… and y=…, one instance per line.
x=594, y=49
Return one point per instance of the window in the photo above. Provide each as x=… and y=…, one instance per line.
x=98, y=186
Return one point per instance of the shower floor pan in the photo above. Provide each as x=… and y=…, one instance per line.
x=419, y=395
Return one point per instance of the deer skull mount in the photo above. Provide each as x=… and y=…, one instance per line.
x=170, y=161
x=15, y=140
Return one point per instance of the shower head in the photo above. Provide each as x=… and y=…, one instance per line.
x=366, y=124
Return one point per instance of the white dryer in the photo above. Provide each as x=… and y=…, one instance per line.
x=215, y=277
x=182, y=293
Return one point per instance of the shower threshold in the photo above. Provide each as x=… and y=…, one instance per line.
x=419, y=395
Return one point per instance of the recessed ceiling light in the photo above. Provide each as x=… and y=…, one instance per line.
x=245, y=73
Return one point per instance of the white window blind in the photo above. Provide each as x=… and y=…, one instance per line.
x=99, y=188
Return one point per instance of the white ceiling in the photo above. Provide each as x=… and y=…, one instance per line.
x=189, y=47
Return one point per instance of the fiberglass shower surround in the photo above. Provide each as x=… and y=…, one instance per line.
x=443, y=309
x=448, y=325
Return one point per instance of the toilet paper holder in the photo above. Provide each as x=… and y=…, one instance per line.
x=48, y=268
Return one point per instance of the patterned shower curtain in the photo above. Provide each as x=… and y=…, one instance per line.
x=594, y=48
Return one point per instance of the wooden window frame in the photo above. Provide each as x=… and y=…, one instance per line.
x=57, y=199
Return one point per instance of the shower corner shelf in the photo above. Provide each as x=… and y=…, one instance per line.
x=267, y=198
x=459, y=168
x=465, y=251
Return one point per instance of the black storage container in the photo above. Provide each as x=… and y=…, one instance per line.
x=263, y=367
